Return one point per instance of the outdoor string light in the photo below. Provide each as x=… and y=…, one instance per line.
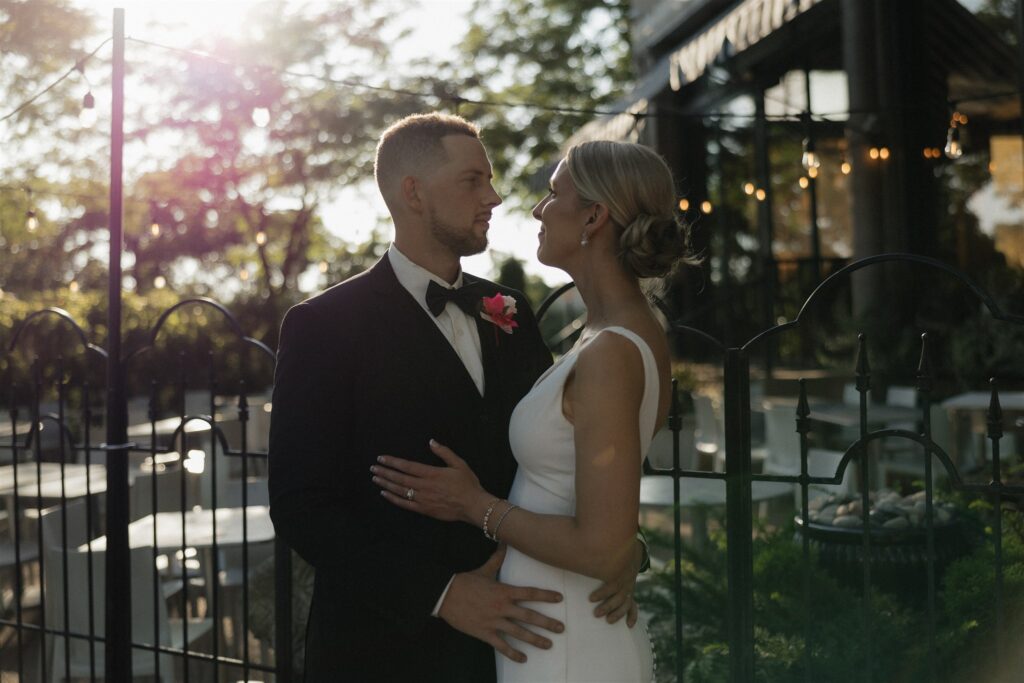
x=705, y=206
x=31, y=222
x=810, y=158
x=953, y=148
x=261, y=238
x=684, y=204
x=748, y=188
x=761, y=195
x=87, y=117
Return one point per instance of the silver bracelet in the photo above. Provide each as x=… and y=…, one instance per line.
x=501, y=519
x=487, y=517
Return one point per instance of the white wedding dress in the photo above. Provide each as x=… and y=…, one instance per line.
x=590, y=650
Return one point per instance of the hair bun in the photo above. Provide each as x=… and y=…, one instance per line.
x=651, y=245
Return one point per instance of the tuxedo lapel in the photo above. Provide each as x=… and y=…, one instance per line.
x=401, y=312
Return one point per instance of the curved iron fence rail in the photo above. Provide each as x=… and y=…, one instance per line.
x=27, y=447
x=739, y=475
x=52, y=465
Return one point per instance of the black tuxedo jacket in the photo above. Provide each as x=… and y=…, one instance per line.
x=362, y=370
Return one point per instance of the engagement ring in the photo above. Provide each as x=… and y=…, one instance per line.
x=410, y=494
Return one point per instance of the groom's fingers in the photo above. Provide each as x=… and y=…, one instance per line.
x=516, y=631
x=525, y=594
x=534, y=618
x=499, y=644
x=634, y=614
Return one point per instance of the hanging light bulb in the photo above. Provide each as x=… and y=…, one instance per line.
x=761, y=194
x=31, y=222
x=244, y=274
x=261, y=238
x=323, y=266
x=810, y=158
x=812, y=172
x=87, y=117
x=154, y=229
x=684, y=204
x=845, y=167
x=159, y=282
x=748, y=188
x=873, y=153
x=803, y=182
x=953, y=148
x=706, y=207
x=883, y=153
x=73, y=286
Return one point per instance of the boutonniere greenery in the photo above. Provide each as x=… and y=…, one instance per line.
x=500, y=310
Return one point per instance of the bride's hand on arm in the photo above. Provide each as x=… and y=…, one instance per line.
x=451, y=493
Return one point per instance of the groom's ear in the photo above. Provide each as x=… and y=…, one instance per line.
x=411, y=191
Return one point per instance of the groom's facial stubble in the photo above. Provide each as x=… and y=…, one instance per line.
x=458, y=197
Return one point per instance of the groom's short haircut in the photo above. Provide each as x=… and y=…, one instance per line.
x=413, y=145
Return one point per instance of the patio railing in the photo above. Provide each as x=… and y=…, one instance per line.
x=207, y=593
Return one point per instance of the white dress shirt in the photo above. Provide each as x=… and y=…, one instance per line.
x=456, y=326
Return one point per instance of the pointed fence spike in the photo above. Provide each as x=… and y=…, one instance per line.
x=803, y=411
x=925, y=374
x=863, y=367
x=995, y=412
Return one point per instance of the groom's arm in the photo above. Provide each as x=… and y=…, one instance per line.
x=312, y=486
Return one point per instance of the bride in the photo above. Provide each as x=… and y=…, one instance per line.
x=580, y=435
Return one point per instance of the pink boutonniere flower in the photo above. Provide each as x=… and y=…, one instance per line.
x=500, y=309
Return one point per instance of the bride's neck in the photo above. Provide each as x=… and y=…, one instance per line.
x=609, y=295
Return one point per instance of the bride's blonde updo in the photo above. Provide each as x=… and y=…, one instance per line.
x=635, y=183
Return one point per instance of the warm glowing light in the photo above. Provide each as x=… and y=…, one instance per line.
x=159, y=282
x=812, y=172
x=260, y=117
x=73, y=286
x=87, y=117
x=883, y=153
x=953, y=148
x=706, y=207
x=31, y=222
x=810, y=158
x=804, y=182
x=323, y=266
x=244, y=274
x=991, y=167
x=684, y=204
x=873, y=152
x=748, y=188
x=154, y=229
x=261, y=238
x=845, y=167
x=761, y=194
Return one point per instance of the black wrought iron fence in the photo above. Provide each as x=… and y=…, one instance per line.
x=198, y=533
x=197, y=522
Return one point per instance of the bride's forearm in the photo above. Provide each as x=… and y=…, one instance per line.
x=559, y=540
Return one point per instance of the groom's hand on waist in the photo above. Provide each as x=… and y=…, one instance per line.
x=480, y=606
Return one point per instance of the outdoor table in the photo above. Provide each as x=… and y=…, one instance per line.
x=968, y=415
x=50, y=489
x=699, y=493
x=198, y=529
x=847, y=415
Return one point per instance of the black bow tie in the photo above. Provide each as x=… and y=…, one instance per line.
x=466, y=297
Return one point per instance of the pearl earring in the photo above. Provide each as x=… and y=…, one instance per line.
x=584, y=240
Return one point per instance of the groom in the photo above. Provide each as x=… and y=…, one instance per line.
x=410, y=350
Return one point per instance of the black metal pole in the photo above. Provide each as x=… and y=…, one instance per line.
x=1020, y=62
x=118, y=616
x=812, y=184
x=738, y=512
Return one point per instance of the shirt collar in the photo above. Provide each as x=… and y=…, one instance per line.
x=415, y=278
